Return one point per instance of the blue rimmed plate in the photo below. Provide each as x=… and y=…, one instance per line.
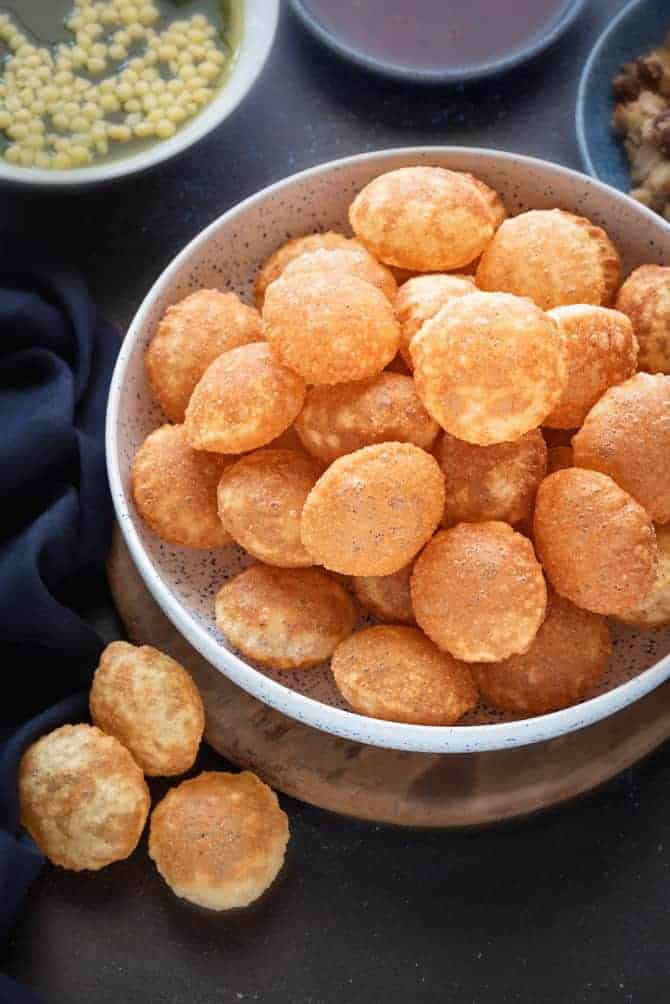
x=640, y=26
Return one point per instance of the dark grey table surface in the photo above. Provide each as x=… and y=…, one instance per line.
x=573, y=906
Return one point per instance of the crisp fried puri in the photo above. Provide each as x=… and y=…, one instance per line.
x=627, y=435
x=398, y=674
x=566, y=659
x=373, y=510
x=595, y=542
x=601, y=351
x=345, y=417
x=478, y=591
x=425, y=218
x=83, y=798
x=219, y=840
x=489, y=367
x=491, y=482
x=190, y=336
x=354, y=260
x=420, y=298
x=279, y=259
x=332, y=329
x=244, y=400
x=559, y=458
x=645, y=298
x=654, y=610
x=149, y=703
x=553, y=257
x=285, y=618
x=174, y=489
x=386, y=596
x=260, y=502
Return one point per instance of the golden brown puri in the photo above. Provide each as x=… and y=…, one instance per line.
x=426, y=219
x=627, y=435
x=260, y=500
x=386, y=596
x=420, y=298
x=567, y=658
x=595, y=542
x=83, y=798
x=553, y=257
x=559, y=458
x=219, y=840
x=190, y=336
x=601, y=351
x=174, y=489
x=339, y=419
x=645, y=298
x=489, y=367
x=352, y=260
x=373, y=510
x=149, y=703
x=292, y=249
x=244, y=400
x=398, y=674
x=478, y=591
x=654, y=610
x=284, y=618
x=491, y=482
x=332, y=329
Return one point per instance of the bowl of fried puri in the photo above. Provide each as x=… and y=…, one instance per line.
x=389, y=443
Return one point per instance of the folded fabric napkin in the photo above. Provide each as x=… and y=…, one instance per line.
x=56, y=360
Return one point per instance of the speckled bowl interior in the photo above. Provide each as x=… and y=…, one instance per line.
x=226, y=255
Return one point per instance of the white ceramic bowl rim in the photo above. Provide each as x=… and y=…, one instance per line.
x=260, y=18
x=349, y=725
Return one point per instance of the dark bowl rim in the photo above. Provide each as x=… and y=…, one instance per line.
x=479, y=71
x=585, y=79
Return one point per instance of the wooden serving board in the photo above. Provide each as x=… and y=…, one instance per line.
x=409, y=789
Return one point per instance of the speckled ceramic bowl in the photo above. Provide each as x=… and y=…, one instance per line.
x=226, y=255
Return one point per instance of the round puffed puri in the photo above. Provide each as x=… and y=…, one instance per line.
x=489, y=367
x=601, y=351
x=654, y=611
x=553, y=257
x=426, y=218
x=478, y=591
x=83, y=798
x=285, y=618
x=373, y=510
x=244, y=400
x=260, y=504
x=219, y=840
x=627, y=435
x=420, y=298
x=339, y=419
x=330, y=329
x=353, y=260
x=294, y=248
x=174, y=489
x=567, y=658
x=386, y=596
x=397, y=674
x=596, y=544
x=190, y=336
x=645, y=298
x=491, y=482
x=149, y=703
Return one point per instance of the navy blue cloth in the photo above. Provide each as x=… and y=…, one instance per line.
x=56, y=360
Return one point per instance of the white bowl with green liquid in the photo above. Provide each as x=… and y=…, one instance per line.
x=245, y=31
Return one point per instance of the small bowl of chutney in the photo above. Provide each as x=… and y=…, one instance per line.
x=437, y=41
